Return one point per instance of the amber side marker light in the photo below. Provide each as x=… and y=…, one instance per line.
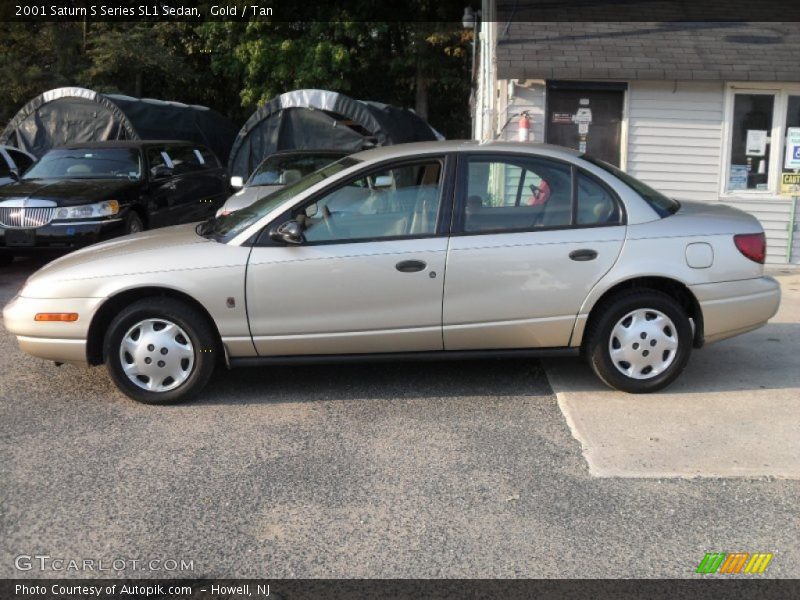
x=64, y=317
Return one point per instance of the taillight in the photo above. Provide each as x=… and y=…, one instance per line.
x=752, y=245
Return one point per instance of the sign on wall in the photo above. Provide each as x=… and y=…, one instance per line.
x=792, y=159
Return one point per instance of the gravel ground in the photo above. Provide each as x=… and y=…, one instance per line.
x=453, y=469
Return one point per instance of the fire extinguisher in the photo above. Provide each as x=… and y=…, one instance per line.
x=524, y=127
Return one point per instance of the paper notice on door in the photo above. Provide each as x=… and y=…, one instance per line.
x=756, y=142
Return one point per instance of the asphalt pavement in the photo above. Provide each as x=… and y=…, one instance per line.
x=453, y=469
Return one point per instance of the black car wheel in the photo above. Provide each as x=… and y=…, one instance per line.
x=160, y=351
x=133, y=223
x=639, y=342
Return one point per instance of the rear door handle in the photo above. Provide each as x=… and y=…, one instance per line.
x=410, y=266
x=583, y=254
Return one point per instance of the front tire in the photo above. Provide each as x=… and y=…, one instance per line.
x=639, y=342
x=160, y=351
x=133, y=223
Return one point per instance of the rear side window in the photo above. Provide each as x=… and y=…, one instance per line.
x=595, y=204
x=517, y=194
x=660, y=203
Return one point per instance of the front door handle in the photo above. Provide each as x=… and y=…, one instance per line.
x=410, y=266
x=583, y=254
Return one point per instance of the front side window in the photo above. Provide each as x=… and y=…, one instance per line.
x=392, y=202
x=750, y=147
x=89, y=163
x=517, y=195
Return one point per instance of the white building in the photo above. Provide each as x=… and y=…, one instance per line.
x=700, y=111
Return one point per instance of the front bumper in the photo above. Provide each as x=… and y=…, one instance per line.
x=733, y=307
x=60, y=235
x=56, y=341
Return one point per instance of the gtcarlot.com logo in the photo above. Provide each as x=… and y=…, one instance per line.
x=44, y=562
x=734, y=563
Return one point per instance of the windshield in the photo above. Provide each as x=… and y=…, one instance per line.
x=227, y=226
x=660, y=203
x=285, y=169
x=89, y=163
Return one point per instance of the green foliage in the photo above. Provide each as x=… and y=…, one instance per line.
x=235, y=67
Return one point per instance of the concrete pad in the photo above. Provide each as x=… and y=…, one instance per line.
x=734, y=412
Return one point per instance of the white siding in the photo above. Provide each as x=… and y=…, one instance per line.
x=528, y=96
x=675, y=137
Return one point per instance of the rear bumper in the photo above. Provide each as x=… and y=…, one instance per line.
x=60, y=236
x=733, y=307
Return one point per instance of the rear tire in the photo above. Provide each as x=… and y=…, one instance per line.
x=160, y=351
x=639, y=342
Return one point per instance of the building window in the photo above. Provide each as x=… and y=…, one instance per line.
x=751, y=142
x=763, y=128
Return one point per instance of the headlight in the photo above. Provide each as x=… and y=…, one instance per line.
x=88, y=211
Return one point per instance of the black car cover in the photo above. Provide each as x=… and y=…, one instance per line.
x=74, y=115
x=320, y=119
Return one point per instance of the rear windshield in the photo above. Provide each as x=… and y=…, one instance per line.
x=89, y=163
x=660, y=203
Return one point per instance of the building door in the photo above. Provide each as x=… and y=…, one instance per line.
x=586, y=117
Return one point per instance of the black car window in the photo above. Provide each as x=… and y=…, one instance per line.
x=87, y=163
x=158, y=162
x=184, y=160
x=21, y=160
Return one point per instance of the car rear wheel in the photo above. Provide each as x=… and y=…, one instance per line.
x=160, y=351
x=639, y=342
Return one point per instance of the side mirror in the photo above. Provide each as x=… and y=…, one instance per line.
x=161, y=172
x=237, y=182
x=14, y=174
x=290, y=232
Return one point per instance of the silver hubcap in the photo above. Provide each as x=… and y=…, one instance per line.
x=156, y=355
x=643, y=343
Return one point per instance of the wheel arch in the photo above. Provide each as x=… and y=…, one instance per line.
x=677, y=290
x=108, y=310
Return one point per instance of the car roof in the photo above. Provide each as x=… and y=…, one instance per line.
x=126, y=144
x=414, y=148
x=312, y=151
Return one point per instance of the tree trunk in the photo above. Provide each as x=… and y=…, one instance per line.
x=421, y=103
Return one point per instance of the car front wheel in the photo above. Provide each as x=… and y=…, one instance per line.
x=640, y=341
x=160, y=351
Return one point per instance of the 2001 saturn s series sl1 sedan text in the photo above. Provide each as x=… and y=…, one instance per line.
x=439, y=249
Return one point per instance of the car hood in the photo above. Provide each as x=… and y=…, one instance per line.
x=246, y=196
x=69, y=192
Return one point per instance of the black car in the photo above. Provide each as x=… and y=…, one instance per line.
x=84, y=193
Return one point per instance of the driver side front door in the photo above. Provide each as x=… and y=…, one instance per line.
x=368, y=277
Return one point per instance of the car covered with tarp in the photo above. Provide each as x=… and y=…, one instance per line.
x=320, y=119
x=74, y=115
